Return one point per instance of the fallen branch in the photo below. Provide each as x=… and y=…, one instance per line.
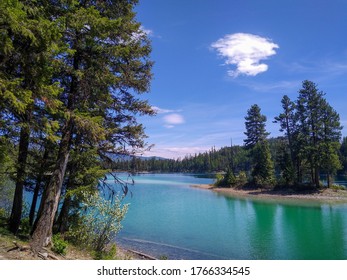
x=141, y=254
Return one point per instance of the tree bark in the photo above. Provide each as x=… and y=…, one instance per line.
x=316, y=177
x=16, y=213
x=62, y=222
x=329, y=180
x=42, y=234
x=38, y=186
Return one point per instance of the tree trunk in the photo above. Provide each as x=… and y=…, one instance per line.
x=42, y=233
x=329, y=180
x=316, y=177
x=38, y=186
x=62, y=222
x=34, y=202
x=16, y=213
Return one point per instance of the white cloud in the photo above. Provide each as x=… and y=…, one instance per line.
x=175, y=152
x=163, y=111
x=173, y=119
x=245, y=51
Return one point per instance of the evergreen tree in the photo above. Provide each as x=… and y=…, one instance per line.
x=318, y=126
x=329, y=145
x=343, y=155
x=288, y=125
x=104, y=65
x=255, y=127
x=263, y=168
x=26, y=50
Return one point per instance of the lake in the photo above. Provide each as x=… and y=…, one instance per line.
x=168, y=218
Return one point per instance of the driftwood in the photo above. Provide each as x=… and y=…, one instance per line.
x=148, y=257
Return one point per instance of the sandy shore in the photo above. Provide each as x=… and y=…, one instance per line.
x=320, y=196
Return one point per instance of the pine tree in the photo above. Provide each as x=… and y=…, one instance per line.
x=105, y=63
x=263, y=168
x=313, y=131
x=318, y=126
x=288, y=125
x=343, y=154
x=255, y=127
x=263, y=172
x=26, y=51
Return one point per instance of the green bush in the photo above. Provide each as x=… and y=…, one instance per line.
x=336, y=187
x=99, y=222
x=59, y=245
x=25, y=226
x=241, y=179
x=219, y=179
x=107, y=254
x=230, y=180
x=7, y=188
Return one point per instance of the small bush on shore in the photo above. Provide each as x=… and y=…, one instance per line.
x=59, y=245
x=229, y=180
x=336, y=187
x=99, y=222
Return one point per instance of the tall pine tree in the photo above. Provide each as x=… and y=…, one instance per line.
x=256, y=141
x=27, y=48
x=106, y=62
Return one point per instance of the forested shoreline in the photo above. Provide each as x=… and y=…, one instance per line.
x=71, y=76
x=311, y=146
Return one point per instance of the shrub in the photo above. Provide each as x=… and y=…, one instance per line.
x=59, y=245
x=25, y=226
x=99, y=222
x=109, y=254
x=241, y=179
x=7, y=188
x=336, y=187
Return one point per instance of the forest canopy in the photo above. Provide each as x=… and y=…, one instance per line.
x=71, y=73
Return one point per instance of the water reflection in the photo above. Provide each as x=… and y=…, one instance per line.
x=175, y=220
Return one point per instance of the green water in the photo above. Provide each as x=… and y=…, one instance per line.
x=169, y=218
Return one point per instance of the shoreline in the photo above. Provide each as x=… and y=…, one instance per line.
x=324, y=196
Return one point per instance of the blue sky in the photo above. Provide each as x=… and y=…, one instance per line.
x=214, y=59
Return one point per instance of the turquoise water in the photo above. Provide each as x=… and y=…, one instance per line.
x=169, y=218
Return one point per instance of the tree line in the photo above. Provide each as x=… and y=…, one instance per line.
x=310, y=146
x=71, y=73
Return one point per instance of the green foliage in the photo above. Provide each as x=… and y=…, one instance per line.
x=7, y=185
x=337, y=187
x=100, y=221
x=107, y=254
x=70, y=73
x=241, y=178
x=255, y=127
x=262, y=164
x=263, y=168
x=219, y=179
x=6, y=195
x=343, y=155
x=59, y=245
x=25, y=226
x=230, y=180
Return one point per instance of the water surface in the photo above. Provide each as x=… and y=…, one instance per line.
x=169, y=218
